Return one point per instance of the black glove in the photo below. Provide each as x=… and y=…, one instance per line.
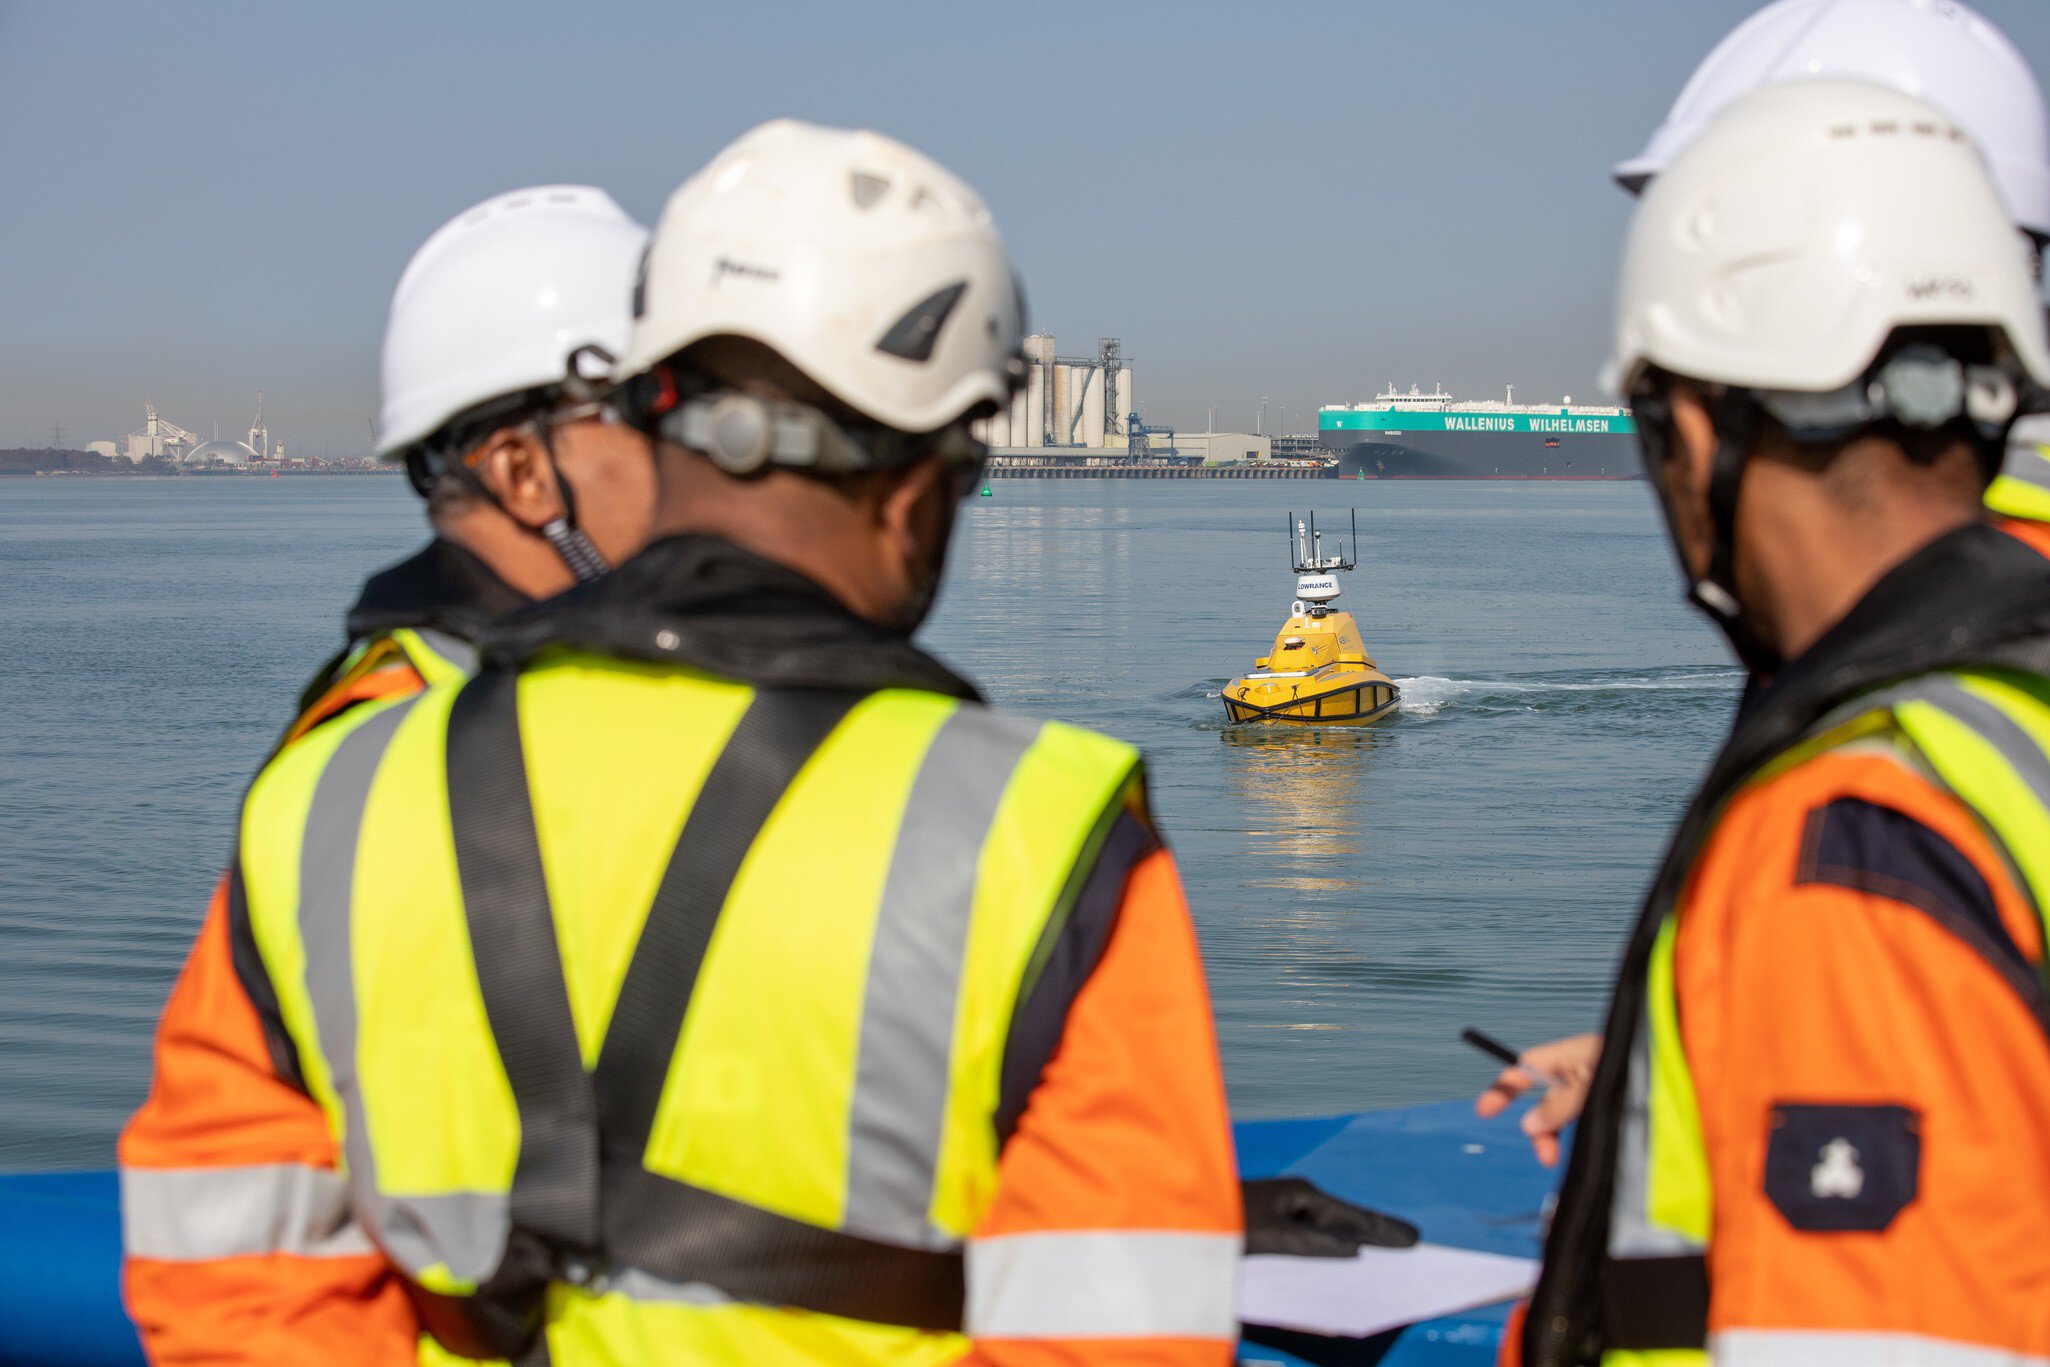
x=1290, y=1215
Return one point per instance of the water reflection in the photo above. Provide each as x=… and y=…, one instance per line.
x=1305, y=797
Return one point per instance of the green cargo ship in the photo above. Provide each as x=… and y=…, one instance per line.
x=1433, y=436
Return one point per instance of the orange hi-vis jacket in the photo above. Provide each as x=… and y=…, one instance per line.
x=1108, y=1236
x=1820, y=1131
x=2027, y=530
x=413, y=623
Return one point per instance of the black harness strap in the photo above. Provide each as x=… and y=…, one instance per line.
x=671, y=1229
x=582, y=1131
x=684, y=1234
x=778, y=733
x=554, y=1198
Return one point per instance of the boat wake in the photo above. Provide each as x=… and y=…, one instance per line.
x=1430, y=695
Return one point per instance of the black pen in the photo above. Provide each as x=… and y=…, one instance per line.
x=1494, y=1048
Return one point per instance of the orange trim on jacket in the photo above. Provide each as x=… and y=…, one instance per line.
x=382, y=672
x=2033, y=534
x=231, y=1282
x=1801, y=990
x=1128, y=1129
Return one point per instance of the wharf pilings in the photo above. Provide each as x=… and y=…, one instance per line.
x=1071, y=469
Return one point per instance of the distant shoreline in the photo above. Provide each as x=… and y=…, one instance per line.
x=266, y=473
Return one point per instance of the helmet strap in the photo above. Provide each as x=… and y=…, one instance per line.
x=1736, y=417
x=571, y=546
x=1736, y=426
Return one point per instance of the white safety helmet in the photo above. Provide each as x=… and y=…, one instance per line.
x=496, y=301
x=1811, y=220
x=868, y=266
x=1936, y=50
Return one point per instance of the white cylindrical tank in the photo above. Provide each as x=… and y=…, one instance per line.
x=1126, y=404
x=1063, y=406
x=1091, y=433
x=1035, y=406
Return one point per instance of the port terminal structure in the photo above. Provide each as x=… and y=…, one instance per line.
x=162, y=439
x=1006, y=466
x=1075, y=417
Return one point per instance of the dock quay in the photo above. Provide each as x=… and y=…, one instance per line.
x=1006, y=467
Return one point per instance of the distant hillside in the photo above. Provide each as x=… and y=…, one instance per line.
x=30, y=461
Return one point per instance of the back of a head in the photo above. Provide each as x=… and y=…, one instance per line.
x=1806, y=226
x=496, y=301
x=873, y=270
x=1939, y=51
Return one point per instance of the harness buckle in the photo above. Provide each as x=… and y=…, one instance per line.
x=586, y=1274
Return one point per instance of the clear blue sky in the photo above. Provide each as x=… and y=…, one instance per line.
x=1296, y=201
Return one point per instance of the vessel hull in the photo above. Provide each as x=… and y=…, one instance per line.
x=1485, y=455
x=1346, y=697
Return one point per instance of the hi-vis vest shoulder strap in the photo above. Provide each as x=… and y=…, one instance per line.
x=438, y=656
x=1984, y=736
x=2022, y=488
x=784, y=1092
x=435, y=655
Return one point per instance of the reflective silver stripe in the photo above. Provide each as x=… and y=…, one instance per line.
x=1819, y=1348
x=914, y=976
x=2000, y=731
x=646, y=1286
x=463, y=1231
x=1104, y=1284
x=1631, y=1232
x=454, y=649
x=1996, y=728
x=200, y=1214
x=2028, y=463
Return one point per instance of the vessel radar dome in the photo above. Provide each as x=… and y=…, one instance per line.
x=1316, y=588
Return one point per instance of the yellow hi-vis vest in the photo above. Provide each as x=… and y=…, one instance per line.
x=484, y=910
x=1981, y=735
x=2022, y=489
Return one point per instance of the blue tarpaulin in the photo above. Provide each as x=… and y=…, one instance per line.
x=1466, y=1182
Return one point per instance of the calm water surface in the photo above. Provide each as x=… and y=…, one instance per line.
x=1362, y=893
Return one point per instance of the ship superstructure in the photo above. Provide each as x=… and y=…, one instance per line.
x=1419, y=435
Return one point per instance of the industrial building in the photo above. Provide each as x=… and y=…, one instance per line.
x=157, y=437
x=1076, y=401
x=161, y=438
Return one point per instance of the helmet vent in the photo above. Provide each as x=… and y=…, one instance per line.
x=868, y=189
x=913, y=335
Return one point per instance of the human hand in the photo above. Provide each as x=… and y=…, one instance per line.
x=1564, y=1068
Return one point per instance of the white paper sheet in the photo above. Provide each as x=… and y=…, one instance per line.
x=1380, y=1289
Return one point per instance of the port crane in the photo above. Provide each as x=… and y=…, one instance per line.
x=159, y=436
x=1138, y=438
x=259, y=435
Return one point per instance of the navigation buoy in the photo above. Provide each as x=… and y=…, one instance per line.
x=986, y=492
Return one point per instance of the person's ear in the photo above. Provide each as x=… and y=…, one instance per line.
x=909, y=511
x=1689, y=469
x=514, y=466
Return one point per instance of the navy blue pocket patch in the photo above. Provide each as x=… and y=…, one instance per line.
x=1830, y=1169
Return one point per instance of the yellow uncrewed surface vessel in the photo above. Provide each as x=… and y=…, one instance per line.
x=1319, y=669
